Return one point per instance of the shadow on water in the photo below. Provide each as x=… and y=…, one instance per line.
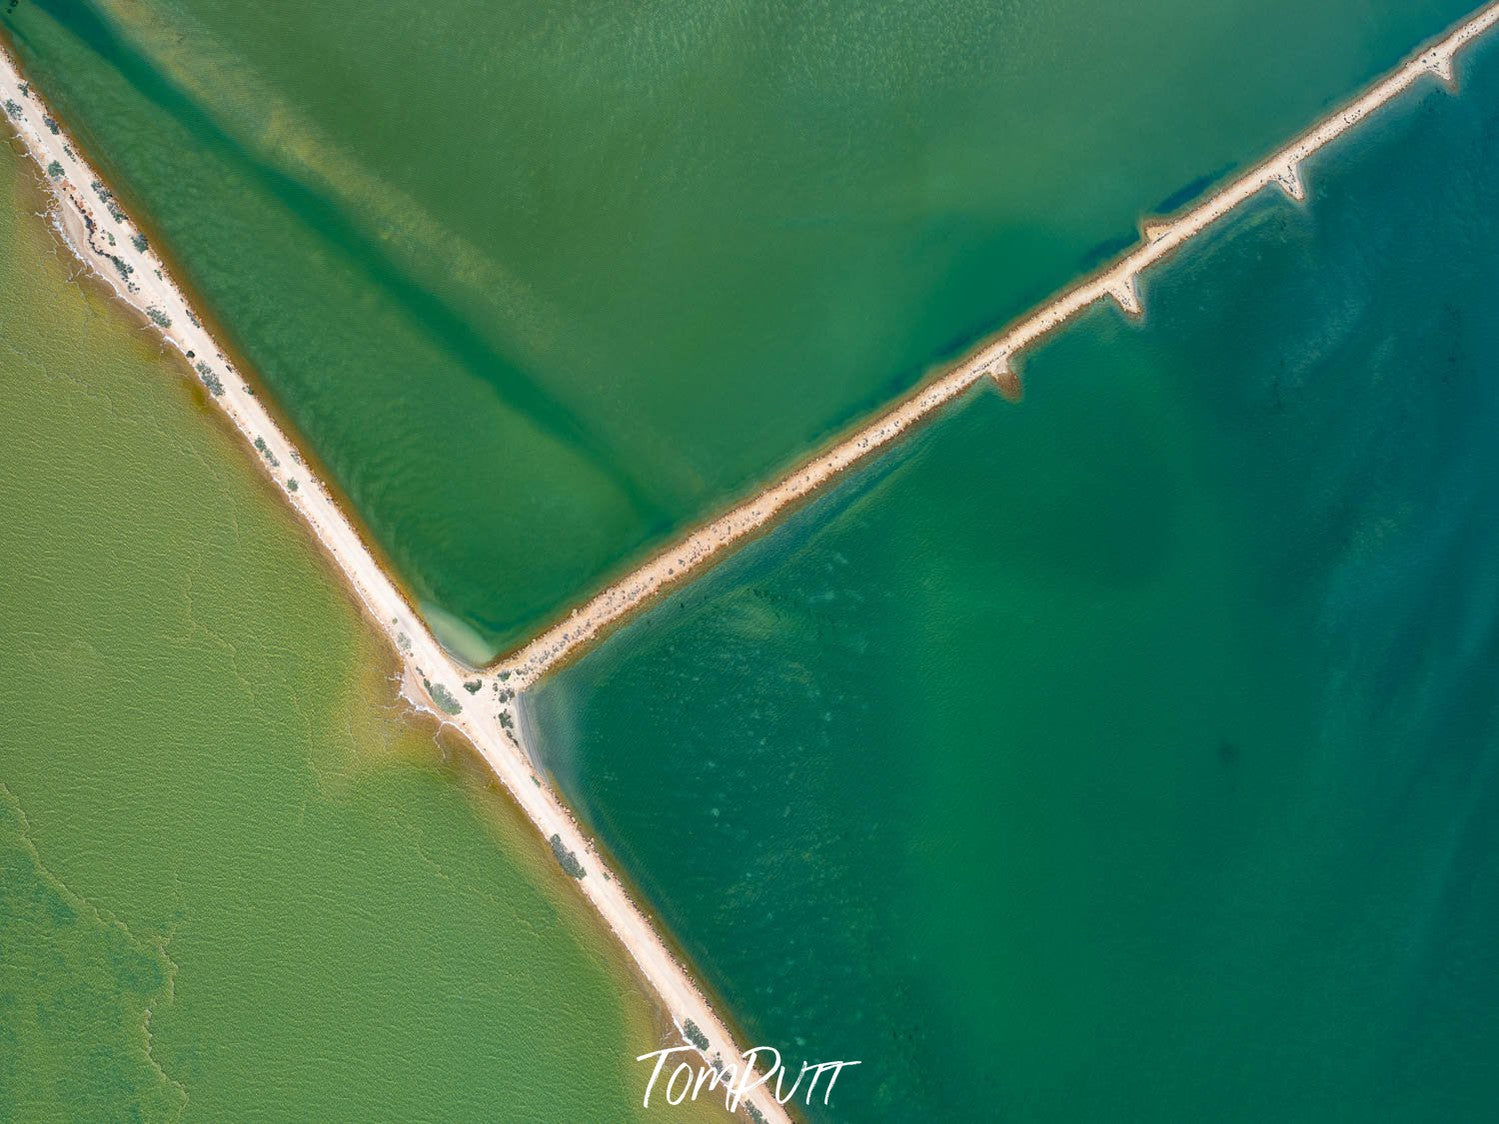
x=1101, y=252
x=1187, y=193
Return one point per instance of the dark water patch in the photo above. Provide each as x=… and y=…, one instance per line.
x=1104, y=251
x=325, y=221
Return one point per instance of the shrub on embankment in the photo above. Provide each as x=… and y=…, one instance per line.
x=566, y=859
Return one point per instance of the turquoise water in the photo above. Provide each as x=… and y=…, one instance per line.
x=1129, y=753
x=543, y=282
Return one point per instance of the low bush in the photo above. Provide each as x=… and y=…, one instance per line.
x=568, y=861
x=694, y=1035
x=210, y=380
x=443, y=698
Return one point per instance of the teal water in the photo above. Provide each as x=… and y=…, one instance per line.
x=1129, y=753
x=541, y=283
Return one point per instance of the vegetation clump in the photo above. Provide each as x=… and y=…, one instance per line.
x=51, y=125
x=566, y=859
x=212, y=381
x=693, y=1034
x=472, y=686
x=265, y=451
x=12, y=108
x=107, y=197
x=442, y=697
x=291, y=485
x=139, y=241
x=158, y=317
x=54, y=170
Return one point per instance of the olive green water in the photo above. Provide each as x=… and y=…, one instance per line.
x=542, y=282
x=232, y=878
x=1132, y=753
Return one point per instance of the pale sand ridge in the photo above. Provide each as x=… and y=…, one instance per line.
x=98, y=232
x=1117, y=281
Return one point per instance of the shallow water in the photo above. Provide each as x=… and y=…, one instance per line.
x=215, y=826
x=1129, y=753
x=542, y=283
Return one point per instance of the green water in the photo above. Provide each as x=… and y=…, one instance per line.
x=1132, y=753
x=542, y=282
x=231, y=877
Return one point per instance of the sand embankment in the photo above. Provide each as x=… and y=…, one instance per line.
x=1116, y=281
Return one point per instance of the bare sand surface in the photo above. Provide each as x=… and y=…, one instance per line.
x=95, y=228
x=1116, y=281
